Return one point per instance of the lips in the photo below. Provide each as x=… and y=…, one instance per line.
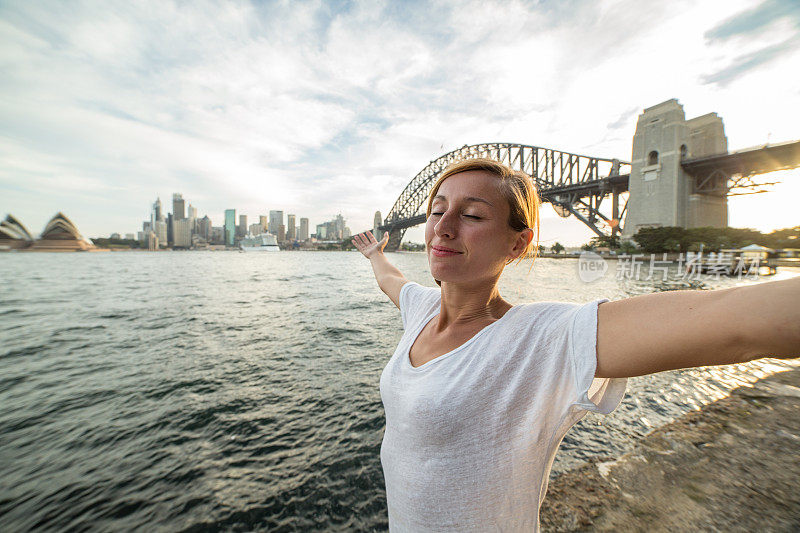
x=443, y=251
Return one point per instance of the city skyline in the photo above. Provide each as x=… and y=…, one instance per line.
x=306, y=106
x=184, y=228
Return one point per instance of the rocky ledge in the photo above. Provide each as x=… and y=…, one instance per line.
x=734, y=465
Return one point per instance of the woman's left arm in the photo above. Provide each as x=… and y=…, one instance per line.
x=684, y=329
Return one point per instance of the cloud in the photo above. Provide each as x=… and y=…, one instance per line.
x=315, y=107
x=755, y=28
x=752, y=21
x=623, y=120
x=744, y=64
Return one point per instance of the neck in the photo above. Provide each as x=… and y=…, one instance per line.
x=469, y=303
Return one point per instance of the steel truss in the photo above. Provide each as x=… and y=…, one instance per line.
x=574, y=184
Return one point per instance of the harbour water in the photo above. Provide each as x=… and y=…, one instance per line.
x=230, y=391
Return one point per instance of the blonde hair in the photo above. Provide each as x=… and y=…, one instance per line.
x=515, y=186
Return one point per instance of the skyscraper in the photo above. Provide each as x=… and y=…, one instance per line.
x=170, y=229
x=264, y=221
x=303, y=236
x=377, y=221
x=242, y=226
x=275, y=220
x=291, y=231
x=183, y=233
x=178, y=207
x=230, y=226
x=204, y=228
x=157, y=214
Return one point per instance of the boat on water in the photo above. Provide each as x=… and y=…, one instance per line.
x=265, y=242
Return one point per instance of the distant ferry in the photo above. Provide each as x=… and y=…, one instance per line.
x=264, y=242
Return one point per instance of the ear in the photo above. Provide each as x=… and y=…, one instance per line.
x=523, y=238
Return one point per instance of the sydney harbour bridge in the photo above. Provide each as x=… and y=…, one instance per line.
x=680, y=175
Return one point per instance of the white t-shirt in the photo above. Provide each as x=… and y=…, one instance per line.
x=471, y=435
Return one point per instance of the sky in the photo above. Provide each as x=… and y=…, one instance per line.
x=319, y=108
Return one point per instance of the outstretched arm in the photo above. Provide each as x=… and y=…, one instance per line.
x=684, y=329
x=390, y=280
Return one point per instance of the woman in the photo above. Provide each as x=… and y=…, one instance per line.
x=480, y=393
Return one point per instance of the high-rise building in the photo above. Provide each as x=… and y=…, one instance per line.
x=281, y=233
x=255, y=229
x=275, y=220
x=204, y=228
x=178, y=207
x=377, y=221
x=291, y=230
x=338, y=227
x=217, y=235
x=322, y=231
x=170, y=230
x=230, y=227
x=303, y=236
x=157, y=213
x=242, y=229
x=183, y=233
x=264, y=221
x=160, y=229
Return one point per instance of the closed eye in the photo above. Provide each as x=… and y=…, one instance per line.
x=470, y=216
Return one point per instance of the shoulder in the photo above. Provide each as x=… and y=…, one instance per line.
x=552, y=316
x=417, y=301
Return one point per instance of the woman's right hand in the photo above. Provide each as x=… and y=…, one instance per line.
x=367, y=245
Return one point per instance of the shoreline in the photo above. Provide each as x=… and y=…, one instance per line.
x=731, y=466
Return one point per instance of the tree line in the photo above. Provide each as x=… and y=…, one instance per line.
x=682, y=240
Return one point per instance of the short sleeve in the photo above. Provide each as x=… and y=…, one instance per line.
x=416, y=302
x=600, y=395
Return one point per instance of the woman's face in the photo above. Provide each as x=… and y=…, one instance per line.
x=470, y=215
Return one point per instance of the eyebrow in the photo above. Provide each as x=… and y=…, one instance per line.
x=467, y=199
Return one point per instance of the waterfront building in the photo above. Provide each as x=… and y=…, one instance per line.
x=377, y=221
x=322, y=231
x=204, y=228
x=61, y=235
x=130, y=236
x=255, y=229
x=291, y=231
x=183, y=233
x=281, y=233
x=264, y=221
x=114, y=236
x=160, y=230
x=217, y=235
x=241, y=230
x=170, y=234
x=275, y=220
x=230, y=227
x=157, y=213
x=13, y=235
x=303, y=236
x=178, y=207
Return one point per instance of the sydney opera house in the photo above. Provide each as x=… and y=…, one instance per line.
x=59, y=235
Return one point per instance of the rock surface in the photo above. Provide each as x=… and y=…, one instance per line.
x=732, y=466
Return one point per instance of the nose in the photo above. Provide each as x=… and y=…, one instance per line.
x=445, y=227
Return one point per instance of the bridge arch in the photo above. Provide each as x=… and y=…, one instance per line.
x=575, y=185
